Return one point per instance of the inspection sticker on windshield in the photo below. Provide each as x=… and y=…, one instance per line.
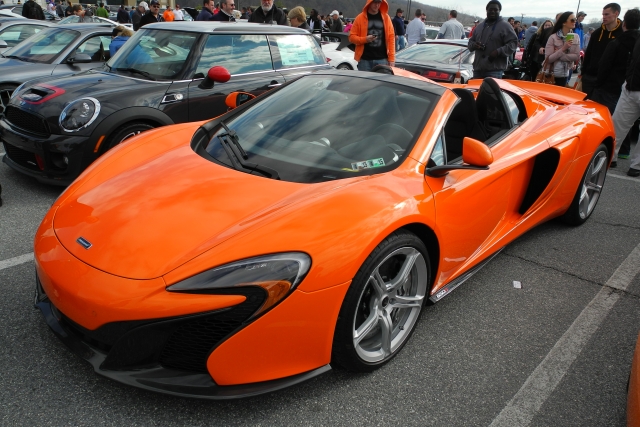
x=373, y=163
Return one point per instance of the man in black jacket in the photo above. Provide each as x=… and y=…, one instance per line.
x=153, y=15
x=628, y=109
x=206, y=14
x=32, y=10
x=225, y=14
x=268, y=14
x=611, y=29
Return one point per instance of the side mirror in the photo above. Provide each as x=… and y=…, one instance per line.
x=79, y=58
x=236, y=99
x=215, y=75
x=3, y=44
x=475, y=154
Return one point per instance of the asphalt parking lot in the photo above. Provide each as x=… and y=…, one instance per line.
x=555, y=352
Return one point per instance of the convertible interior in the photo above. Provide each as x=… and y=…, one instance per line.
x=487, y=117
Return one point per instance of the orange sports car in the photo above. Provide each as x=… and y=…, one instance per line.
x=306, y=228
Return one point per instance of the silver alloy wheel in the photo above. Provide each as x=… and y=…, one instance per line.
x=5, y=96
x=390, y=304
x=344, y=67
x=592, y=185
x=130, y=135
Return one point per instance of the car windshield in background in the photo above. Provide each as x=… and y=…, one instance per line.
x=16, y=34
x=436, y=52
x=322, y=128
x=154, y=54
x=43, y=47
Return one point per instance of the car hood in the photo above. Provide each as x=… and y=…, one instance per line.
x=10, y=65
x=148, y=212
x=91, y=83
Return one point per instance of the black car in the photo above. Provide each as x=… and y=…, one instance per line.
x=54, y=128
x=53, y=51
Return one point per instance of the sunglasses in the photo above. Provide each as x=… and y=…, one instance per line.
x=572, y=20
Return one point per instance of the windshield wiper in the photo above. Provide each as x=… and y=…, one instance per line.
x=19, y=58
x=135, y=71
x=231, y=144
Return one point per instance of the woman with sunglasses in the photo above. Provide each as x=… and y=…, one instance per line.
x=563, y=48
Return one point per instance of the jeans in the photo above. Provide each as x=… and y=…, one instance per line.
x=401, y=43
x=496, y=74
x=368, y=64
x=626, y=114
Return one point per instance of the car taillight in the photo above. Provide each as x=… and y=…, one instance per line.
x=328, y=59
x=437, y=75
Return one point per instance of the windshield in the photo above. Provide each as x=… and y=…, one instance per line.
x=158, y=54
x=435, y=52
x=322, y=128
x=43, y=47
x=83, y=20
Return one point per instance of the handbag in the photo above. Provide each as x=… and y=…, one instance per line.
x=545, y=75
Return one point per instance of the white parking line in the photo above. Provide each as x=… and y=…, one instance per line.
x=16, y=261
x=626, y=178
x=544, y=379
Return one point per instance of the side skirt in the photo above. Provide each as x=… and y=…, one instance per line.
x=446, y=289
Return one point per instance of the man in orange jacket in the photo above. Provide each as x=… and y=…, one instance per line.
x=372, y=33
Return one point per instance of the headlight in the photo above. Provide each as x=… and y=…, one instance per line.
x=79, y=114
x=277, y=274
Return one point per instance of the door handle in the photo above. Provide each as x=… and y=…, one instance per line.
x=275, y=85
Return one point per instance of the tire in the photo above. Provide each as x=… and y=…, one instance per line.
x=344, y=67
x=588, y=193
x=125, y=132
x=5, y=95
x=372, y=325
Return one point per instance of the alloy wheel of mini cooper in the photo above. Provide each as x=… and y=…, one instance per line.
x=5, y=95
x=590, y=188
x=126, y=132
x=383, y=304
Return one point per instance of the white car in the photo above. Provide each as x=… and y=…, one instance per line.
x=6, y=13
x=73, y=19
x=339, y=51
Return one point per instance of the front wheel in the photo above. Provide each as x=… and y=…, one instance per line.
x=5, y=95
x=383, y=304
x=125, y=132
x=587, y=195
x=344, y=67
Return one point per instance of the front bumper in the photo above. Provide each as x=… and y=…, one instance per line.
x=52, y=159
x=152, y=375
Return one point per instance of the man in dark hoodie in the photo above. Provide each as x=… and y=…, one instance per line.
x=628, y=109
x=610, y=29
x=615, y=60
x=268, y=13
x=494, y=41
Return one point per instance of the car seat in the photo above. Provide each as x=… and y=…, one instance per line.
x=492, y=109
x=463, y=122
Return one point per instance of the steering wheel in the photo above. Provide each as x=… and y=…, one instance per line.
x=393, y=133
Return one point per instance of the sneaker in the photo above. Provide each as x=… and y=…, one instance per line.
x=613, y=165
x=623, y=156
x=633, y=172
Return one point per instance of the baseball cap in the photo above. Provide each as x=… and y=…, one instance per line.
x=399, y=11
x=154, y=3
x=144, y=4
x=582, y=14
x=476, y=21
x=335, y=12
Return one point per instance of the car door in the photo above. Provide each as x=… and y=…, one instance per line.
x=247, y=58
x=295, y=55
x=96, y=46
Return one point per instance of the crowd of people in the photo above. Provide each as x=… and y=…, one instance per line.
x=610, y=71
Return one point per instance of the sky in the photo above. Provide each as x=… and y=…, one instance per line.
x=537, y=8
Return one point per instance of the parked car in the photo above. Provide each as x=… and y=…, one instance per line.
x=438, y=60
x=306, y=228
x=432, y=32
x=54, y=51
x=92, y=19
x=158, y=77
x=15, y=31
x=17, y=9
x=339, y=50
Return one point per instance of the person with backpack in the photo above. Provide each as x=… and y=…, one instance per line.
x=32, y=10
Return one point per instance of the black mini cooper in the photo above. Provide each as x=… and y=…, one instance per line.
x=53, y=129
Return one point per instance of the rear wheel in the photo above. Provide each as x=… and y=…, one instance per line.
x=383, y=304
x=127, y=131
x=587, y=195
x=5, y=95
x=344, y=67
